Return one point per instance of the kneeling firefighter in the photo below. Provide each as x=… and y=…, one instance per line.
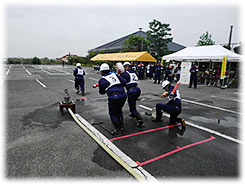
x=173, y=107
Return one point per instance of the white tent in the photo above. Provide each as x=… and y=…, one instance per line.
x=204, y=53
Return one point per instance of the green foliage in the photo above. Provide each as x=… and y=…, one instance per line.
x=75, y=60
x=90, y=55
x=135, y=44
x=159, y=36
x=238, y=49
x=205, y=39
x=18, y=61
x=51, y=62
x=36, y=61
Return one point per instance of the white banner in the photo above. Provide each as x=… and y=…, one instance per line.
x=185, y=74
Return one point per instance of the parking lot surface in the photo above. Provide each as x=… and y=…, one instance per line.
x=40, y=142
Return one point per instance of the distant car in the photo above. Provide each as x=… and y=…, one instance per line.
x=96, y=67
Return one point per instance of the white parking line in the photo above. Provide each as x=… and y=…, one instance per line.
x=201, y=128
x=46, y=71
x=41, y=83
x=210, y=106
x=27, y=71
x=63, y=72
x=237, y=93
x=232, y=99
x=71, y=81
x=8, y=70
x=93, y=79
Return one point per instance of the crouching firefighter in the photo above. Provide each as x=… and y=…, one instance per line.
x=173, y=107
x=133, y=92
x=79, y=74
x=112, y=85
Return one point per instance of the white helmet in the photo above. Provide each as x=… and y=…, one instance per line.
x=126, y=63
x=120, y=67
x=78, y=64
x=104, y=67
x=165, y=83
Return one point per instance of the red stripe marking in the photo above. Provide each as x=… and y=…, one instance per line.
x=143, y=132
x=174, y=151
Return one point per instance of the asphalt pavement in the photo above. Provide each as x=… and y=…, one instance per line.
x=40, y=142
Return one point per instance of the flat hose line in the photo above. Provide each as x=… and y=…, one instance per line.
x=138, y=172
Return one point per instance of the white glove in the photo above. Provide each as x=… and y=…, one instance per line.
x=177, y=94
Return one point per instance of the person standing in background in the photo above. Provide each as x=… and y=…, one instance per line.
x=193, y=78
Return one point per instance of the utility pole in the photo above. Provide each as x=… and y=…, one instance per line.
x=141, y=40
x=229, y=44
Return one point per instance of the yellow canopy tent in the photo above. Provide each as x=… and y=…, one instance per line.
x=126, y=56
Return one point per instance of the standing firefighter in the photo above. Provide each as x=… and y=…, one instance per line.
x=112, y=85
x=157, y=73
x=133, y=92
x=173, y=107
x=79, y=74
x=193, y=78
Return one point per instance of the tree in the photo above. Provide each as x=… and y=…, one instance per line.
x=92, y=54
x=36, y=61
x=159, y=37
x=135, y=43
x=238, y=49
x=205, y=39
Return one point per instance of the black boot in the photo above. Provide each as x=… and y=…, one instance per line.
x=121, y=123
x=139, y=119
x=117, y=129
x=131, y=115
x=158, y=118
x=183, y=127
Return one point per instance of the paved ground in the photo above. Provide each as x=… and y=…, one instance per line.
x=42, y=143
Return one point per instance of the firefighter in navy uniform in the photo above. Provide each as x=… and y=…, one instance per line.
x=133, y=92
x=112, y=85
x=79, y=74
x=173, y=107
x=133, y=67
x=157, y=73
x=193, y=78
x=141, y=70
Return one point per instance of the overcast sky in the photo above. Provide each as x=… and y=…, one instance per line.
x=55, y=30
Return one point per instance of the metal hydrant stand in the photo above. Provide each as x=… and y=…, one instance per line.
x=67, y=103
x=71, y=105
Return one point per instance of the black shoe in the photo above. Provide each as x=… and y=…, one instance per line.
x=83, y=93
x=116, y=132
x=183, y=124
x=131, y=115
x=77, y=91
x=182, y=131
x=140, y=123
x=122, y=127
